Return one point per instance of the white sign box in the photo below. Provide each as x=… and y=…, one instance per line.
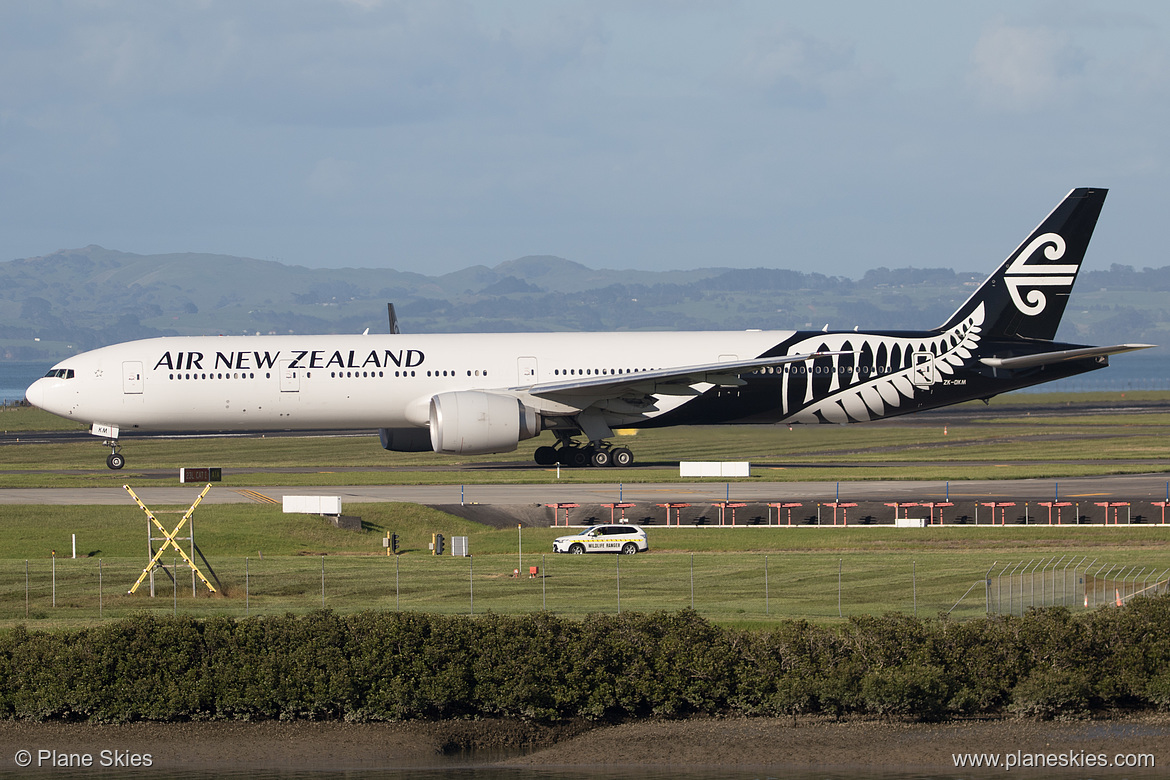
x=714, y=469
x=312, y=505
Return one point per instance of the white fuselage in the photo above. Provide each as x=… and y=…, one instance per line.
x=351, y=382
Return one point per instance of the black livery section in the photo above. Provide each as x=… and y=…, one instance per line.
x=999, y=340
x=1025, y=298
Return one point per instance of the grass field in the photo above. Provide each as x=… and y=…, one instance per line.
x=268, y=562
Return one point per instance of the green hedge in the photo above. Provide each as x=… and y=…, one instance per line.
x=389, y=666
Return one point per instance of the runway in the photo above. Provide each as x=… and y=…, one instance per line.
x=1144, y=488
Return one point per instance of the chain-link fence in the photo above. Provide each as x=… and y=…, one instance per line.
x=1070, y=581
x=747, y=587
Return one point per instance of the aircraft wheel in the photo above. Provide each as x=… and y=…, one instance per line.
x=115, y=461
x=600, y=458
x=545, y=456
x=621, y=457
x=578, y=457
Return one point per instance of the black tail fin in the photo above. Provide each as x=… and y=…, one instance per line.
x=1026, y=297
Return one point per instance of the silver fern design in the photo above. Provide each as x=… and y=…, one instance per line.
x=877, y=376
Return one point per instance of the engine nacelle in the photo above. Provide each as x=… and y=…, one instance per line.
x=405, y=439
x=471, y=422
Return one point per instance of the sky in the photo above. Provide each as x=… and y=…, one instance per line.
x=655, y=135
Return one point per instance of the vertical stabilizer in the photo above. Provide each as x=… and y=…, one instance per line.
x=1026, y=296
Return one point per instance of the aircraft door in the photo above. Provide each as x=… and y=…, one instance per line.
x=132, y=377
x=924, y=373
x=290, y=380
x=526, y=373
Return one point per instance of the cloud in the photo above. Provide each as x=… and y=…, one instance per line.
x=296, y=63
x=795, y=68
x=1017, y=68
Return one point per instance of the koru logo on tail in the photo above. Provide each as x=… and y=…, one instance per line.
x=1022, y=274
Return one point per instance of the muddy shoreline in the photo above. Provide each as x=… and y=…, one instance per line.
x=699, y=742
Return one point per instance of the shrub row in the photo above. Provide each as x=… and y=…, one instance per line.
x=389, y=666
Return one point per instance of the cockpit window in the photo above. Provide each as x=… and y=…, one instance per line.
x=60, y=373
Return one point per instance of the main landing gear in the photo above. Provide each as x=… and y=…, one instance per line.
x=570, y=453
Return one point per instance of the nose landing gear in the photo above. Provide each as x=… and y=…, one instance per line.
x=115, y=460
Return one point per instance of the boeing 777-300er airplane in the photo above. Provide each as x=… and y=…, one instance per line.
x=483, y=393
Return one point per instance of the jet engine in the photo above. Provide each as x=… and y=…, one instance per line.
x=471, y=422
x=405, y=439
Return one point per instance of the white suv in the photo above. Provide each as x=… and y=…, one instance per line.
x=626, y=539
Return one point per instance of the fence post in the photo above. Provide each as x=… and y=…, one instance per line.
x=1011, y=577
x=1116, y=588
x=767, y=606
x=26, y=588
x=618, y=559
x=396, y=582
x=1104, y=579
x=914, y=583
x=692, y=581
x=1133, y=584
x=322, y=582
x=543, y=593
x=471, y=582
x=247, y=590
x=1085, y=588
x=1041, y=584
x=999, y=590
x=1064, y=581
x=986, y=582
x=1054, y=576
x=99, y=588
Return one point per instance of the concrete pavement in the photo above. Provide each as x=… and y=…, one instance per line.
x=1136, y=488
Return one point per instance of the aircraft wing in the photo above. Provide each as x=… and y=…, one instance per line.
x=664, y=381
x=1044, y=358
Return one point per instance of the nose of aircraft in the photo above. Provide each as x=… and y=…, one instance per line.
x=35, y=394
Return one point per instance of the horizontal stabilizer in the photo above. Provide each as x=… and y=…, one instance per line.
x=1044, y=358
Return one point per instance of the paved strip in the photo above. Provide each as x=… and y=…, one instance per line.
x=1136, y=487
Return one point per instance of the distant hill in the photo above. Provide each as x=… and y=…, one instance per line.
x=78, y=299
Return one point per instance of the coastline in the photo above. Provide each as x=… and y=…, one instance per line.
x=744, y=743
